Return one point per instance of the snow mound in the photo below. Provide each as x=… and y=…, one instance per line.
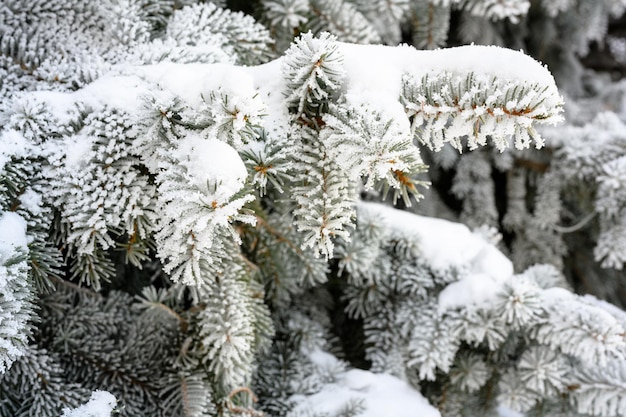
x=379, y=394
x=444, y=244
x=101, y=404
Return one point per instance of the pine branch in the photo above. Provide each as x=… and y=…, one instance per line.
x=599, y=393
x=323, y=194
x=237, y=34
x=430, y=23
x=343, y=20
x=16, y=290
x=366, y=144
x=447, y=107
x=313, y=70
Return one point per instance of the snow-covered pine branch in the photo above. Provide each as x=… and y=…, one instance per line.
x=367, y=145
x=544, y=345
x=16, y=289
x=165, y=158
x=445, y=107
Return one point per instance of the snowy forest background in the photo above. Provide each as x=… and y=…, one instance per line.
x=197, y=208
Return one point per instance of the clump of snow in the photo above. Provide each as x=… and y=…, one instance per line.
x=212, y=163
x=12, y=144
x=380, y=394
x=507, y=412
x=101, y=404
x=271, y=91
x=491, y=261
x=500, y=62
x=63, y=104
x=31, y=201
x=443, y=245
x=12, y=235
x=120, y=92
x=487, y=271
x=474, y=288
x=76, y=150
x=192, y=82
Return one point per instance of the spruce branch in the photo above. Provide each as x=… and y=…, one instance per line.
x=367, y=144
x=430, y=23
x=599, y=393
x=323, y=193
x=16, y=291
x=447, y=107
x=343, y=20
x=269, y=163
x=237, y=409
x=198, y=209
x=285, y=267
x=313, y=70
x=237, y=34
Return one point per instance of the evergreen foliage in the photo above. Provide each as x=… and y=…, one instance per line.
x=188, y=225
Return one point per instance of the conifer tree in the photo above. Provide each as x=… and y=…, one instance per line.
x=196, y=220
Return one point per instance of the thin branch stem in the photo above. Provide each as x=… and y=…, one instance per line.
x=576, y=227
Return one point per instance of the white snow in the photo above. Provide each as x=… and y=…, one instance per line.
x=381, y=394
x=507, y=412
x=444, y=244
x=31, y=201
x=476, y=288
x=120, y=92
x=488, y=270
x=12, y=143
x=101, y=404
x=193, y=81
x=77, y=151
x=64, y=107
x=210, y=162
x=374, y=71
x=492, y=260
x=12, y=235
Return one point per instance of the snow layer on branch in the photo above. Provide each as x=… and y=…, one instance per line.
x=12, y=144
x=101, y=404
x=373, y=77
x=379, y=394
x=13, y=236
x=118, y=92
x=444, y=244
x=374, y=71
x=373, y=74
x=192, y=82
x=197, y=154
